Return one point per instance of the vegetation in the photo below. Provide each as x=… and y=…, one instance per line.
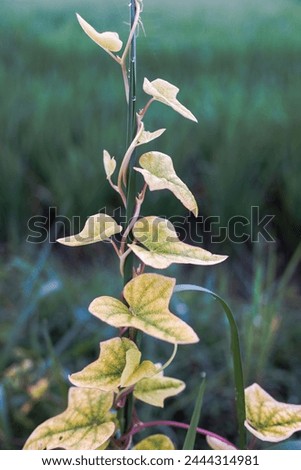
x=49, y=123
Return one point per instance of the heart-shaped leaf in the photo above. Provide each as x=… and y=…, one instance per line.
x=218, y=444
x=158, y=172
x=118, y=365
x=155, y=442
x=109, y=164
x=98, y=227
x=148, y=297
x=164, y=247
x=85, y=425
x=147, y=136
x=268, y=419
x=156, y=389
x=107, y=40
x=166, y=93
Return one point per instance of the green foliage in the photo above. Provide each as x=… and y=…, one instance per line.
x=249, y=110
x=90, y=420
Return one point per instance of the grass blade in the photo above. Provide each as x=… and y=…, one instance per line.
x=191, y=433
x=236, y=358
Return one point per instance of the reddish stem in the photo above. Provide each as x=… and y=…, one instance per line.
x=141, y=426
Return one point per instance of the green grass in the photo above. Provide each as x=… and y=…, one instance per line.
x=237, y=64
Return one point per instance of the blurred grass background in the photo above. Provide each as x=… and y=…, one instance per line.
x=237, y=64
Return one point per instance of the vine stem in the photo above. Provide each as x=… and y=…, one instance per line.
x=127, y=158
x=167, y=363
x=143, y=111
x=125, y=414
x=115, y=247
x=118, y=190
x=132, y=130
x=140, y=426
x=139, y=202
x=135, y=14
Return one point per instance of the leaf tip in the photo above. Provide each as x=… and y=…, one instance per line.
x=62, y=241
x=108, y=40
x=219, y=444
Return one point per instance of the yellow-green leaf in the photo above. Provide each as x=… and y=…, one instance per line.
x=109, y=164
x=107, y=40
x=164, y=247
x=98, y=227
x=134, y=371
x=159, y=173
x=156, y=389
x=148, y=297
x=166, y=93
x=268, y=419
x=118, y=365
x=86, y=424
x=218, y=444
x=155, y=442
x=147, y=136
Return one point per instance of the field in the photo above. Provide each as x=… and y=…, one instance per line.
x=237, y=64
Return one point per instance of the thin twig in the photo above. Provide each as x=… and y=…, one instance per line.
x=169, y=361
x=123, y=257
x=115, y=57
x=135, y=23
x=115, y=247
x=125, y=81
x=143, y=111
x=139, y=202
x=118, y=190
x=127, y=158
x=121, y=397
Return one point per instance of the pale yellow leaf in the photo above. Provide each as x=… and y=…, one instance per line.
x=159, y=173
x=147, y=136
x=218, y=444
x=148, y=297
x=164, y=247
x=86, y=424
x=98, y=227
x=156, y=389
x=134, y=371
x=107, y=40
x=109, y=164
x=118, y=365
x=268, y=419
x=155, y=442
x=166, y=93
